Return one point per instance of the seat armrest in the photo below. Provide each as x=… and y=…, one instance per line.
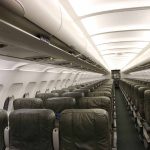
x=56, y=138
x=6, y=137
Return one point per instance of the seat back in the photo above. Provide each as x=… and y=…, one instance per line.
x=76, y=95
x=3, y=125
x=85, y=129
x=100, y=93
x=31, y=129
x=147, y=105
x=58, y=104
x=60, y=91
x=85, y=91
x=141, y=91
x=28, y=103
x=101, y=102
x=45, y=96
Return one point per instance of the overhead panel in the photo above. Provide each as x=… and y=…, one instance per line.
x=88, y=7
x=122, y=44
x=120, y=29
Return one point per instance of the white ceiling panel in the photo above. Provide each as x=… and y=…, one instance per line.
x=86, y=7
x=118, y=61
x=118, y=45
x=120, y=51
x=119, y=29
x=128, y=20
x=121, y=36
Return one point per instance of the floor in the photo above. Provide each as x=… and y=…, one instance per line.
x=126, y=133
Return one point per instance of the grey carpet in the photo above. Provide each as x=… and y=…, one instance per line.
x=127, y=135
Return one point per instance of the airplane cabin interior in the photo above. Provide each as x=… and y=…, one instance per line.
x=74, y=74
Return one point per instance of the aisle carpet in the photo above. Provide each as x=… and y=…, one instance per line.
x=127, y=135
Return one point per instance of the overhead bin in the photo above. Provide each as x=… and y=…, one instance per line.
x=44, y=13
x=51, y=16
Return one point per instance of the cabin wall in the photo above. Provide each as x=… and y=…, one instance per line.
x=16, y=83
x=141, y=75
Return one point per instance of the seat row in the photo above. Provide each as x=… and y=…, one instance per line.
x=100, y=98
x=33, y=129
x=137, y=94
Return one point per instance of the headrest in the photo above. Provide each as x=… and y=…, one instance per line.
x=58, y=104
x=31, y=129
x=102, y=102
x=100, y=93
x=147, y=95
x=75, y=95
x=28, y=103
x=60, y=91
x=45, y=96
x=141, y=91
x=104, y=89
x=85, y=91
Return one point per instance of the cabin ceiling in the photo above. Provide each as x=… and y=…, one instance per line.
x=119, y=29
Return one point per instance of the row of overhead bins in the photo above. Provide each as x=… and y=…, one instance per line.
x=50, y=16
x=141, y=62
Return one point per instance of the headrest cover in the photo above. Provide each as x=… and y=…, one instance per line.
x=95, y=102
x=84, y=129
x=58, y=104
x=147, y=95
x=28, y=103
x=45, y=96
x=60, y=91
x=100, y=93
x=83, y=90
x=75, y=95
x=141, y=91
x=31, y=129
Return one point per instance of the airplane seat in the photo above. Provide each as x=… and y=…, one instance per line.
x=28, y=103
x=85, y=129
x=58, y=104
x=83, y=90
x=76, y=95
x=134, y=97
x=101, y=102
x=133, y=106
x=59, y=92
x=31, y=129
x=100, y=93
x=45, y=96
x=71, y=88
x=146, y=124
x=147, y=105
x=3, y=125
x=140, y=114
x=141, y=91
x=104, y=89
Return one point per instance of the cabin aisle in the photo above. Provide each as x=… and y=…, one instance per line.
x=127, y=134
